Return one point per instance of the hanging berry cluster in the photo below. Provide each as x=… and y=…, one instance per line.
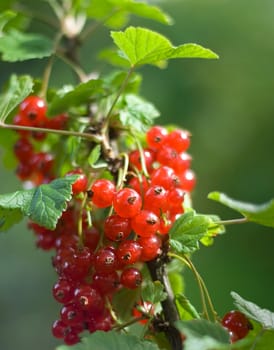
x=34, y=165
x=109, y=229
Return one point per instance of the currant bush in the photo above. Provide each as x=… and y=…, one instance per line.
x=107, y=192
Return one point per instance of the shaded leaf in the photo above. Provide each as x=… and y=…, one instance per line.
x=18, y=46
x=203, y=335
x=143, y=46
x=186, y=310
x=253, y=311
x=116, y=14
x=111, y=341
x=43, y=205
x=136, y=113
x=18, y=89
x=5, y=17
x=262, y=214
x=94, y=155
x=153, y=292
x=74, y=96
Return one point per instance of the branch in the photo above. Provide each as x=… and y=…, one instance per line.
x=157, y=269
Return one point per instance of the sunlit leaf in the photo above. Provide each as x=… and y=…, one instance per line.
x=18, y=89
x=43, y=205
x=262, y=214
x=18, y=46
x=143, y=46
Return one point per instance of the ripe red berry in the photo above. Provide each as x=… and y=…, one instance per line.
x=63, y=291
x=34, y=108
x=187, y=180
x=128, y=252
x=131, y=278
x=59, y=329
x=151, y=247
x=105, y=260
x=71, y=337
x=164, y=176
x=106, y=283
x=178, y=140
x=80, y=185
x=135, y=159
x=23, y=149
x=156, y=137
x=102, y=193
x=236, y=322
x=88, y=298
x=146, y=223
x=117, y=228
x=72, y=315
x=155, y=199
x=127, y=202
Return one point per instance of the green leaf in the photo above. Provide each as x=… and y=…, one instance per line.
x=116, y=13
x=94, y=155
x=7, y=141
x=5, y=17
x=43, y=205
x=203, y=335
x=253, y=311
x=143, y=46
x=18, y=46
x=111, y=341
x=136, y=113
x=128, y=297
x=153, y=292
x=262, y=214
x=190, y=228
x=186, y=310
x=18, y=89
x=74, y=96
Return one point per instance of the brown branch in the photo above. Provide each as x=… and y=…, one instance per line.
x=157, y=269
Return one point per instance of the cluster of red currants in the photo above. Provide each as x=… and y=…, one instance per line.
x=35, y=165
x=94, y=261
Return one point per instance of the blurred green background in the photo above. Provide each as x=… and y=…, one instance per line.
x=228, y=106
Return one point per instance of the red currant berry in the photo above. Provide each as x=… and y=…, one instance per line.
x=34, y=108
x=188, y=180
x=106, y=283
x=102, y=193
x=23, y=150
x=105, y=261
x=155, y=199
x=72, y=315
x=127, y=203
x=129, y=252
x=237, y=323
x=71, y=337
x=59, y=329
x=139, y=185
x=178, y=140
x=131, y=278
x=156, y=136
x=91, y=236
x=175, y=200
x=151, y=247
x=63, y=291
x=135, y=159
x=165, y=177
x=146, y=223
x=88, y=298
x=80, y=185
x=117, y=228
